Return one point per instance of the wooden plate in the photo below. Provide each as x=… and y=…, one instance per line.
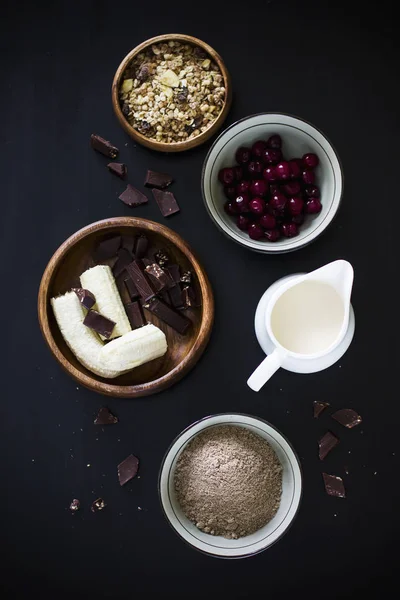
x=75, y=256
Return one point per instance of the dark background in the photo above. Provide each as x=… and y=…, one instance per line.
x=334, y=64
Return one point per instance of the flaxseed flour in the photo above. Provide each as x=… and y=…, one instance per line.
x=228, y=481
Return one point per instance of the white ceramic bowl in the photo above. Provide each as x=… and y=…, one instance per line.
x=264, y=537
x=299, y=137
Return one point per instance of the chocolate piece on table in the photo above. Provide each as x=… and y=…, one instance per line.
x=128, y=242
x=326, y=444
x=166, y=297
x=334, y=486
x=167, y=314
x=99, y=323
x=136, y=273
x=166, y=202
x=175, y=272
x=75, y=505
x=162, y=258
x=347, y=417
x=133, y=197
x=186, y=277
x=135, y=314
x=105, y=417
x=132, y=289
x=104, y=146
x=108, y=248
x=189, y=297
x=128, y=469
x=319, y=407
x=176, y=297
x=98, y=505
x=124, y=258
x=157, y=180
x=158, y=277
x=119, y=169
x=86, y=298
x=142, y=243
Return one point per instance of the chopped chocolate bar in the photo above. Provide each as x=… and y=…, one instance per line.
x=319, y=407
x=124, y=258
x=166, y=202
x=133, y=197
x=136, y=273
x=142, y=243
x=86, y=298
x=162, y=258
x=186, y=277
x=175, y=272
x=128, y=242
x=107, y=248
x=158, y=277
x=128, y=469
x=326, y=444
x=99, y=323
x=347, y=417
x=119, y=169
x=103, y=146
x=167, y=314
x=189, y=297
x=135, y=314
x=98, y=505
x=166, y=297
x=334, y=486
x=176, y=297
x=132, y=289
x=105, y=417
x=157, y=180
x=74, y=506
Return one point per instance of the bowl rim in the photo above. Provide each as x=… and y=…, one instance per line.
x=91, y=381
x=185, y=144
x=204, y=420
x=297, y=243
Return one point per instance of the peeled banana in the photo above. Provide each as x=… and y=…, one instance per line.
x=134, y=348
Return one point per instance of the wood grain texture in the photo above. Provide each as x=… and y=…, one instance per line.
x=62, y=272
x=176, y=146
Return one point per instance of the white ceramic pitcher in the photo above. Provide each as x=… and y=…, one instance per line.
x=301, y=343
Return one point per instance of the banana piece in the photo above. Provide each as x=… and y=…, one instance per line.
x=170, y=79
x=100, y=281
x=134, y=348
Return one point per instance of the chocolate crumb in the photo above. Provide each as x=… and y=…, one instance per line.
x=334, y=486
x=128, y=469
x=119, y=169
x=75, y=505
x=98, y=505
x=319, y=407
x=347, y=417
x=105, y=417
x=326, y=444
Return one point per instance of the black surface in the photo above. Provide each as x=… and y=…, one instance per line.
x=331, y=63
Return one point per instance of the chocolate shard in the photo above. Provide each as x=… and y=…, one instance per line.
x=86, y=298
x=158, y=277
x=142, y=243
x=98, y=505
x=107, y=248
x=334, y=486
x=128, y=469
x=319, y=407
x=186, y=277
x=99, y=323
x=105, y=417
x=119, y=169
x=133, y=197
x=347, y=417
x=132, y=289
x=104, y=146
x=189, y=297
x=135, y=314
x=162, y=258
x=176, y=297
x=175, y=272
x=157, y=180
x=124, y=258
x=74, y=506
x=166, y=202
x=326, y=444
x=168, y=315
x=128, y=242
x=136, y=273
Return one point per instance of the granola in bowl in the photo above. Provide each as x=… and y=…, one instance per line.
x=172, y=92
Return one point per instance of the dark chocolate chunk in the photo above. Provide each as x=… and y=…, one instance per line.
x=347, y=417
x=158, y=277
x=133, y=197
x=334, y=486
x=162, y=258
x=189, y=297
x=119, y=169
x=128, y=242
x=142, y=243
x=167, y=314
x=98, y=505
x=175, y=272
x=326, y=444
x=143, y=73
x=199, y=52
x=107, y=248
x=132, y=289
x=182, y=94
x=99, y=323
x=74, y=506
x=166, y=297
x=105, y=417
x=136, y=273
x=103, y=146
x=319, y=407
x=124, y=259
x=176, y=297
x=186, y=277
x=135, y=314
x=166, y=202
x=86, y=298
x=128, y=469
x=126, y=109
x=157, y=180
x=144, y=127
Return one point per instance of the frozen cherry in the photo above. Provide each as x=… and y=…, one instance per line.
x=295, y=205
x=270, y=174
x=274, y=188
x=271, y=156
x=242, y=187
x=243, y=222
x=241, y=203
x=254, y=168
x=259, y=187
x=289, y=230
x=298, y=219
x=275, y=141
x=313, y=206
x=310, y=160
x=226, y=176
x=272, y=235
x=257, y=206
x=267, y=221
x=258, y=148
x=292, y=188
x=230, y=191
x=277, y=203
x=243, y=155
x=238, y=173
x=308, y=177
x=230, y=208
x=296, y=168
x=312, y=191
x=256, y=232
x=283, y=170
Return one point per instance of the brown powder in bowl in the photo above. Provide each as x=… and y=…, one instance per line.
x=228, y=481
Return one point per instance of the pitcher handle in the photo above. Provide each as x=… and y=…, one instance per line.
x=265, y=370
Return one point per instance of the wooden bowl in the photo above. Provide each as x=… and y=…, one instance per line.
x=173, y=146
x=62, y=273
